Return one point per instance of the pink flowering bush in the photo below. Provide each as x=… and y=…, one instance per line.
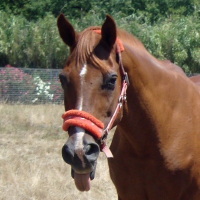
x=57, y=91
x=15, y=85
x=18, y=86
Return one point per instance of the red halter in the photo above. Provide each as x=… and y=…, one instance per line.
x=90, y=123
x=83, y=120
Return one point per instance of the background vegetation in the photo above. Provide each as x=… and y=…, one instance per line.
x=29, y=38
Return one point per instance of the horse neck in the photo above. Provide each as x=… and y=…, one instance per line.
x=161, y=117
x=143, y=95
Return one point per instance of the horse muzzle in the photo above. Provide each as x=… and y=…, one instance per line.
x=86, y=139
x=81, y=152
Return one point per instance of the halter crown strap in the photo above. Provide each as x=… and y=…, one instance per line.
x=121, y=47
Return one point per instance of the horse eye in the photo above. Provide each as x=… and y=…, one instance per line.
x=110, y=82
x=63, y=80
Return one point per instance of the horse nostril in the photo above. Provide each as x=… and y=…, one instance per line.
x=92, y=149
x=67, y=154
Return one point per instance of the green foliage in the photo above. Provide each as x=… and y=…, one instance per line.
x=177, y=40
x=31, y=44
x=34, y=9
x=16, y=7
x=29, y=37
x=152, y=11
x=149, y=10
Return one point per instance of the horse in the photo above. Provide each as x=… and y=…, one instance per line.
x=111, y=80
x=195, y=79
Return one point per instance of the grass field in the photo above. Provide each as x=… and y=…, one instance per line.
x=31, y=165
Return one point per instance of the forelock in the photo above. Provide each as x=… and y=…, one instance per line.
x=87, y=41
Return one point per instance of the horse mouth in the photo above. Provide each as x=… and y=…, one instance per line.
x=82, y=181
x=83, y=159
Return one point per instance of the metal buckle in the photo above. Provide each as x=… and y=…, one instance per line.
x=103, y=147
x=126, y=78
x=124, y=98
x=104, y=137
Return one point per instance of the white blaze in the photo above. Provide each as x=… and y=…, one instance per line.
x=83, y=71
x=82, y=76
x=79, y=144
x=80, y=131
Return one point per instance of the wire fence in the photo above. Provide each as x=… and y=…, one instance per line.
x=30, y=86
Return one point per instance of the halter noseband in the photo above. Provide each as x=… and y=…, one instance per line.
x=90, y=123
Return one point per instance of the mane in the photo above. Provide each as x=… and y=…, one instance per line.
x=88, y=39
x=130, y=39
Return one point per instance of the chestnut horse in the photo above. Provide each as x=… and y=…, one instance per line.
x=156, y=145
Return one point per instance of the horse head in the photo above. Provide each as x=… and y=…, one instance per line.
x=92, y=84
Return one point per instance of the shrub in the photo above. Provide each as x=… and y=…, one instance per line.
x=31, y=44
x=43, y=93
x=57, y=91
x=47, y=91
x=15, y=85
x=35, y=86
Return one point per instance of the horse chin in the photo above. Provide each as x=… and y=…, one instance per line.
x=82, y=181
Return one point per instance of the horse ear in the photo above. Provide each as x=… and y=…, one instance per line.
x=66, y=30
x=109, y=31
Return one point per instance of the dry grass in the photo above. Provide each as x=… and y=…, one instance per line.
x=31, y=166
